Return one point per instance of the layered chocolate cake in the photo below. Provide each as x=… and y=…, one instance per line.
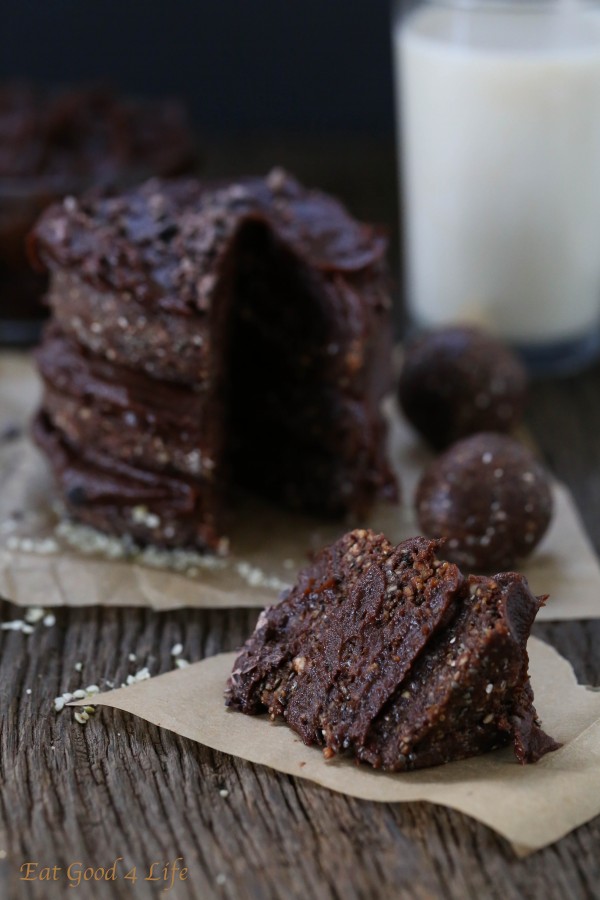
x=392, y=655
x=210, y=335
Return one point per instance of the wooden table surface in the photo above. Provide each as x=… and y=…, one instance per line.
x=122, y=788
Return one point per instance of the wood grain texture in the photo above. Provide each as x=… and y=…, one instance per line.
x=120, y=787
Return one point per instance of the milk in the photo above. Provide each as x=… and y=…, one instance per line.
x=500, y=136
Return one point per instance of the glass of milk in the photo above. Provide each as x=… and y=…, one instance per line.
x=499, y=112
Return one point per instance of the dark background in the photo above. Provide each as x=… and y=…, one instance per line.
x=304, y=84
x=311, y=66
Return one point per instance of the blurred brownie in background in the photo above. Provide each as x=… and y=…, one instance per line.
x=55, y=142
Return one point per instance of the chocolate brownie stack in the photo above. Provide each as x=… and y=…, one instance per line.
x=393, y=655
x=204, y=336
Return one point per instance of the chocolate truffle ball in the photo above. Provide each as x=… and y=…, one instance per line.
x=491, y=499
x=458, y=381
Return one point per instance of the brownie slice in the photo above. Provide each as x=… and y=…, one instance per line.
x=392, y=655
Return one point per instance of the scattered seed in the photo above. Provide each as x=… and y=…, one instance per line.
x=33, y=614
x=141, y=675
x=17, y=625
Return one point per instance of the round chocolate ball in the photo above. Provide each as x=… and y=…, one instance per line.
x=489, y=497
x=458, y=381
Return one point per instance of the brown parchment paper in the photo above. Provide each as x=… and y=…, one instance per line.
x=41, y=564
x=531, y=806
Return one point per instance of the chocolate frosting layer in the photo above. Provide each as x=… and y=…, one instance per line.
x=159, y=242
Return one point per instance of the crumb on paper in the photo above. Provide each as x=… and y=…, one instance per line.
x=39, y=546
x=90, y=542
x=255, y=577
x=141, y=515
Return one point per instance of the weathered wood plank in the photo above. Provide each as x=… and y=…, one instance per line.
x=122, y=788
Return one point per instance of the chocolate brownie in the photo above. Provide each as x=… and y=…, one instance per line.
x=60, y=141
x=233, y=334
x=490, y=497
x=89, y=133
x=457, y=381
x=391, y=655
